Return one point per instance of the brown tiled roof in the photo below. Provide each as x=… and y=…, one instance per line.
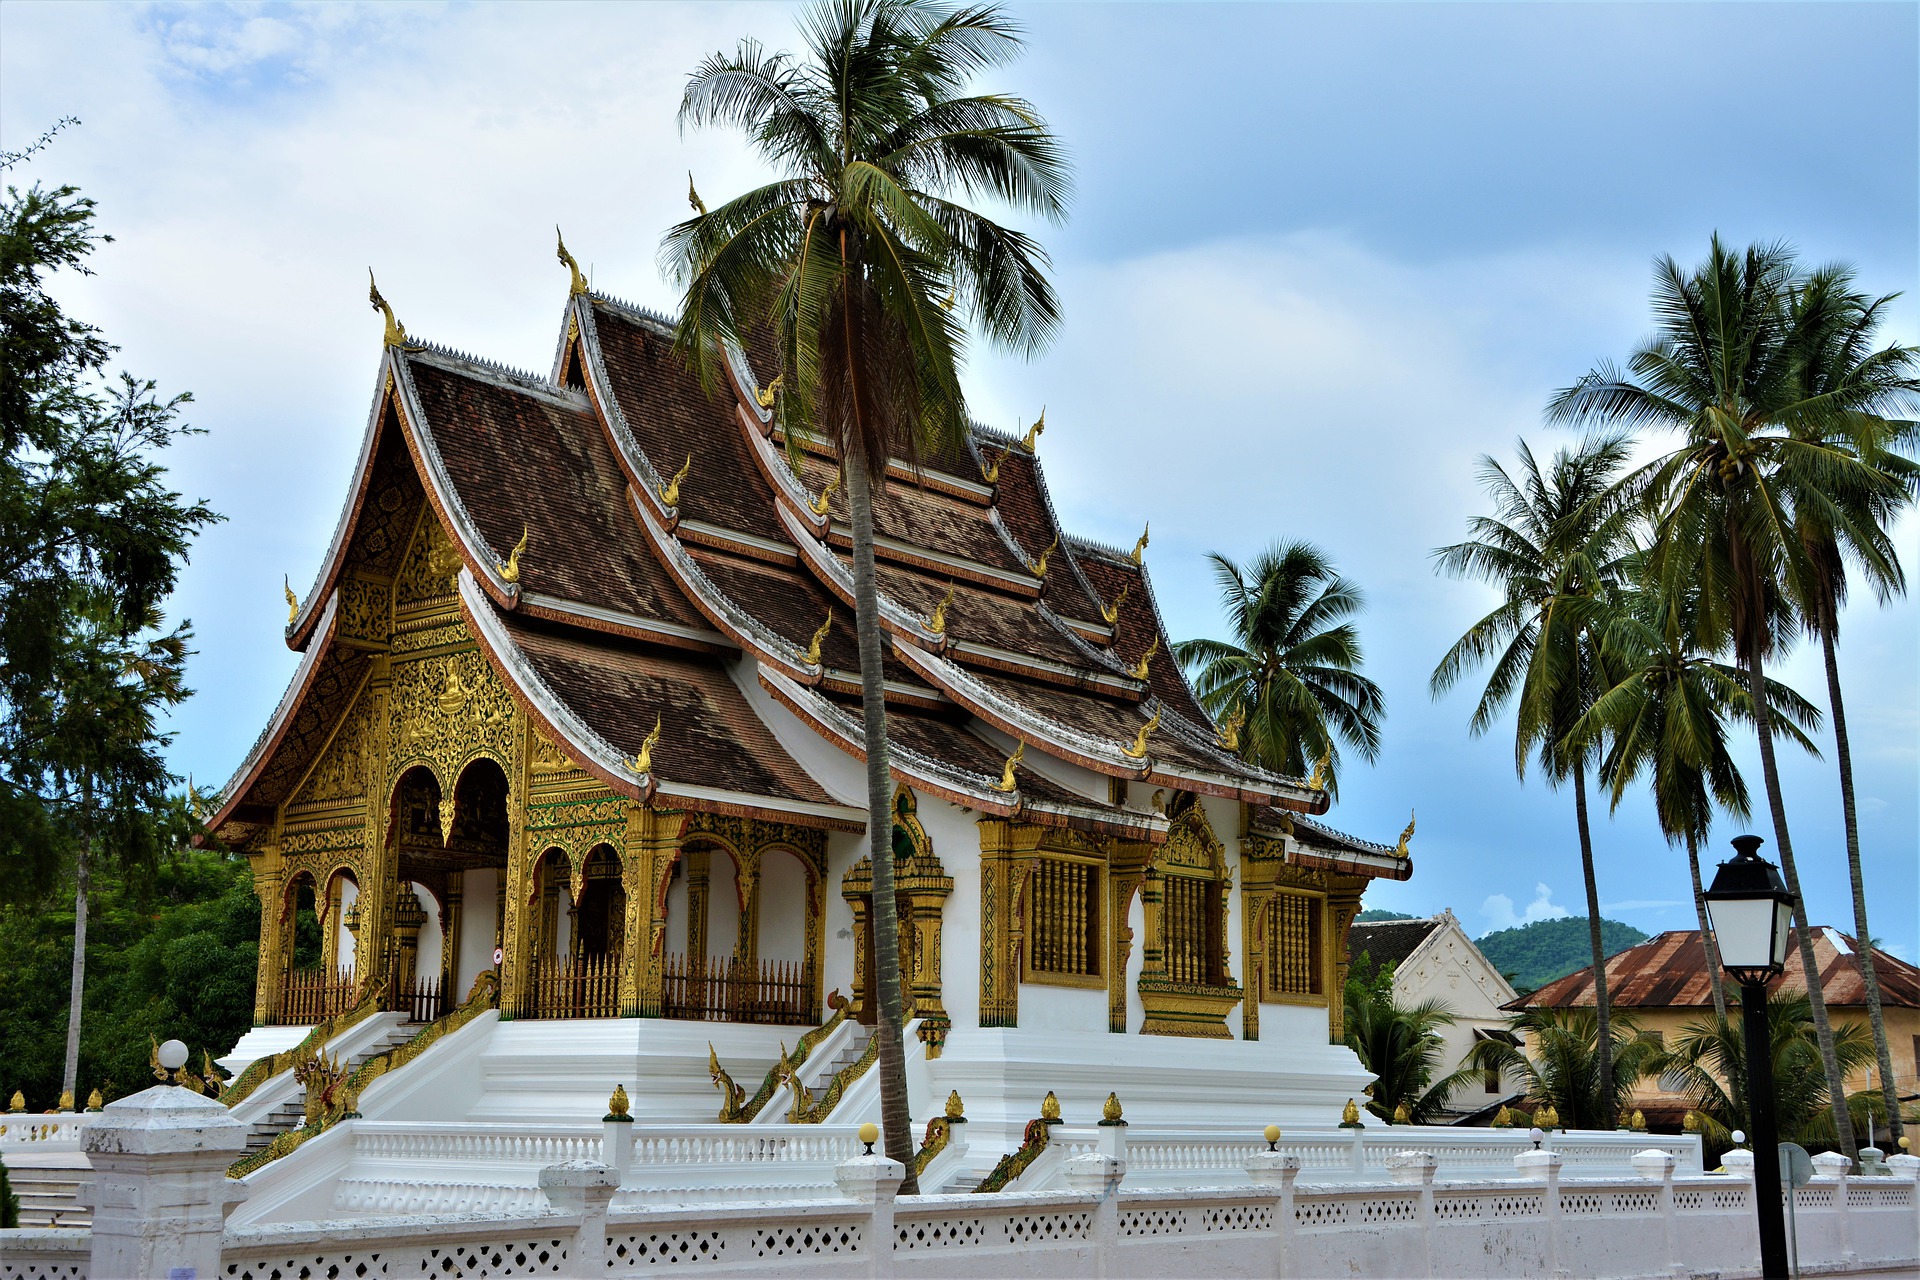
x=1669, y=971
x=1387, y=941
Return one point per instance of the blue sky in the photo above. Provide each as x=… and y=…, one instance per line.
x=1321, y=257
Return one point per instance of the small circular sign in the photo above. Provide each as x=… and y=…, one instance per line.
x=1796, y=1166
x=498, y=956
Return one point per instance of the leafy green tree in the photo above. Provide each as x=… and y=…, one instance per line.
x=1532, y=955
x=1555, y=548
x=1400, y=1045
x=1291, y=673
x=1761, y=458
x=91, y=540
x=851, y=259
x=1561, y=1064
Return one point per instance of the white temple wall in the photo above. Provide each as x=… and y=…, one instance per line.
x=955, y=834
x=1224, y=817
x=783, y=907
x=426, y=960
x=478, y=920
x=1136, y=963
x=1290, y=1024
x=844, y=848
x=1050, y=1008
x=723, y=906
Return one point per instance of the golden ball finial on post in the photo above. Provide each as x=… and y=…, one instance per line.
x=1401, y=1115
x=19, y=1102
x=1110, y=1110
x=1272, y=1134
x=1503, y=1119
x=94, y=1101
x=869, y=1134
x=1639, y=1122
x=618, y=1106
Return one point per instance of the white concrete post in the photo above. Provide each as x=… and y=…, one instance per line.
x=584, y=1187
x=874, y=1181
x=1417, y=1168
x=1099, y=1175
x=1276, y=1172
x=1658, y=1166
x=1359, y=1151
x=616, y=1143
x=1544, y=1166
x=1111, y=1139
x=1836, y=1166
x=1738, y=1163
x=1904, y=1167
x=160, y=1194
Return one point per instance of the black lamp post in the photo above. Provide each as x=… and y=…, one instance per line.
x=1751, y=912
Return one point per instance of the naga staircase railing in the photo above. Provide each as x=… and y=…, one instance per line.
x=264, y=1069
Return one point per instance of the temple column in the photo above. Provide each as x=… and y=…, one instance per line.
x=1343, y=904
x=450, y=942
x=699, y=876
x=1008, y=852
x=653, y=844
x=270, y=970
x=746, y=944
x=329, y=912
x=1126, y=864
x=516, y=929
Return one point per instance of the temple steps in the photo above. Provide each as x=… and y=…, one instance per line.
x=292, y=1113
x=48, y=1195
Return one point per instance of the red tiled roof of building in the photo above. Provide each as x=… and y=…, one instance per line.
x=1669, y=971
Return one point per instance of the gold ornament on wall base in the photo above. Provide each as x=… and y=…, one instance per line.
x=1350, y=1115
x=1185, y=1009
x=619, y=1108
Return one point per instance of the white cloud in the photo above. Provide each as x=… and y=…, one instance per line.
x=1498, y=909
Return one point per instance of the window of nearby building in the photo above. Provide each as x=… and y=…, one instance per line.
x=1295, y=960
x=1659, y=1039
x=1493, y=1081
x=1063, y=921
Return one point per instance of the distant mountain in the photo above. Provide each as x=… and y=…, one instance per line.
x=1535, y=954
x=1381, y=913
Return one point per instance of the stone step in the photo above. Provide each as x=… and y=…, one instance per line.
x=47, y=1196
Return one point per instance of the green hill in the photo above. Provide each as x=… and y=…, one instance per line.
x=1380, y=913
x=1535, y=954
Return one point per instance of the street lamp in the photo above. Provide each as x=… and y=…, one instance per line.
x=1751, y=911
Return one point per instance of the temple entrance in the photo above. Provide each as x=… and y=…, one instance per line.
x=312, y=988
x=578, y=923
x=451, y=870
x=739, y=935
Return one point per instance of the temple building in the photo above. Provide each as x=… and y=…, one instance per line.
x=575, y=736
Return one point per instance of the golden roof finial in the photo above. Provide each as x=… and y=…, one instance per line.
x=293, y=601
x=1400, y=850
x=991, y=472
x=820, y=504
x=643, y=763
x=1111, y=612
x=1039, y=566
x=1006, y=783
x=937, y=623
x=1230, y=729
x=812, y=658
x=1139, y=553
x=396, y=334
x=578, y=285
x=1049, y=1107
x=1032, y=437
x=1318, y=781
x=670, y=491
x=1139, y=670
x=1138, y=751
x=510, y=571
x=1350, y=1114
x=955, y=1109
x=769, y=393
x=618, y=1107
x=693, y=197
x=1110, y=1109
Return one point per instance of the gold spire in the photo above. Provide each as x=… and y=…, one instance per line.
x=1006, y=782
x=1400, y=850
x=1039, y=566
x=812, y=658
x=510, y=571
x=955, y=1109
x=693, y=197
x=1110, y=1110
x=820, y=504
x=579, y=282
x=1318, y=781
x=1139, y=552
x=991, y=473
x=1350, y=1114
x=396, y=334
x=643, y=763
x=1138, y=750
x=1139, y=671
x=769, y=393
x=293, y=601
x=670, y=491
x=937, y=624
x=618, y=1105
x=1230, y=729
x=1032, y=437
x=1111, y=612
x=1049, y=1107
x=1639, y=1122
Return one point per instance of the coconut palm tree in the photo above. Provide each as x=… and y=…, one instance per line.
x=845, y=259
x=1554, y=548
x=1757, y=458
x=1559, y=1062
x=1291, y=673
x=1838, y=360
x=1666, y=718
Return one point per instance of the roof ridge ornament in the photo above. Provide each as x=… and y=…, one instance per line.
x=1039, y=566
x=1400, y=850
x=693, y=197
x=1111, y=612
x=820, y=505
x=937, y=623
x=813, y=646
x=293, y=601
x=1318, y=781
x=643, y=763
x=769, y=393
x=578, y=286
x=1139, y=669
x=670, y=491
x=396, y=334
x=1138, y=751
x=991, y=472
x=1230, y=729
x=510, y=570
x=1139, y=552
x=1006, y=784
x=1032, y=439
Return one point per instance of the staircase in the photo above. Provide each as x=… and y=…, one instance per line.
x=849, y=1053
x=47, y=1195
x=291, y=1114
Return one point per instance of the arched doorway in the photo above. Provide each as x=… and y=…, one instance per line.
x=578, y=928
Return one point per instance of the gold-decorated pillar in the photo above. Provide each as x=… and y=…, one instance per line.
x=1126, y=866
x=653, y=846
x=1343, y=904
x=450, y=913
x=1008, y=852
x=270, y=970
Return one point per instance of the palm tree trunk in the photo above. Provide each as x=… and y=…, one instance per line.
x=82, y=887
x=1822, y=1025
x=896, y=1122
x=1707, y=940
x=1861, y=936
x=1604, y=1063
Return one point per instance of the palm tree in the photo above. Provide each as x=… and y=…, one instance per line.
x=1837, y=326
x=1555, y=548
x=1707, y=1062
x=1402, y=1047
x=846, y=259
x=1758, y=457
x=1291, y=673
x=1565, y=1070
x=1666, y=718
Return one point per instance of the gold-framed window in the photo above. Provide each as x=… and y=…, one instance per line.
x=1063, y=921
x=1191, y=926
x=1296, y=961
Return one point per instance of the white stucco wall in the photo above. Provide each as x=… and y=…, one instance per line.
x=478, y=920
x=1447, y=967
x=783, y=907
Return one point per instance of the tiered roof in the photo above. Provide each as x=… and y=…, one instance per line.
x=627, y=606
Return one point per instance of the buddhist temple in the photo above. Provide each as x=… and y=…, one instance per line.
x=570, y=775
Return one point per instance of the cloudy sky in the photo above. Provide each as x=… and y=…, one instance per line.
x=1321, y=258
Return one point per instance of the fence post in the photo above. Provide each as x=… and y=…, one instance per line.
x=874, y=1181
x=1905, y=1167
x=160, y=1194
x=1544, y=1166
x=1658, y=1166
x=1275, y=1172
x=1839, y=1168
x=1416, y=1168
x=1100, y=1175
x=584, y=1187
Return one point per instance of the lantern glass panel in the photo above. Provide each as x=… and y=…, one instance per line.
x=1782, y=923
x=1744, y=930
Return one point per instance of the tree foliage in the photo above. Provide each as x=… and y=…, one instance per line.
x=1561, y=1064
x=1400, y=1045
